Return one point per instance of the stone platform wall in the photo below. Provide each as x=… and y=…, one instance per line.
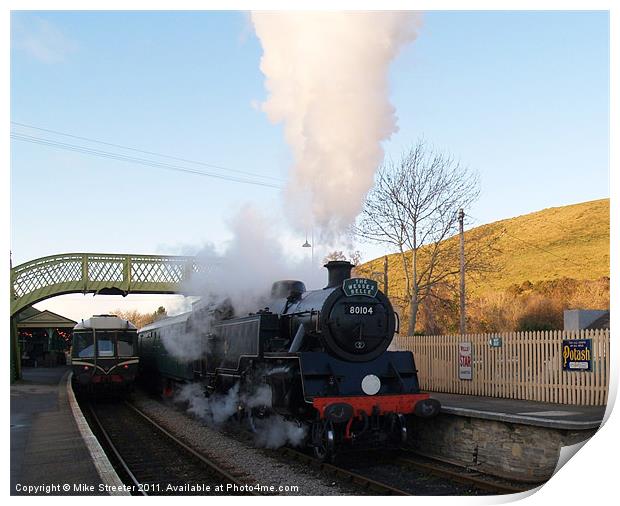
x=508, y=450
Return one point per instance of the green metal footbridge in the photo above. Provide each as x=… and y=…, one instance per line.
x=98, y=273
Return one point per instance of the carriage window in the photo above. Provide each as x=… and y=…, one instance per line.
x=105, y=343
x=126, y=343
x=83, y=344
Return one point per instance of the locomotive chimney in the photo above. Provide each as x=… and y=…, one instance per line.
x=338, y=271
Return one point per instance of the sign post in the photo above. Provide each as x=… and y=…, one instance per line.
x=495, y=342
x=465, y=361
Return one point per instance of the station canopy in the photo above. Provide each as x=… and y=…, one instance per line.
x=33, y=318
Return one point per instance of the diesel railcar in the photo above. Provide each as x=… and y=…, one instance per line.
x=104, y=354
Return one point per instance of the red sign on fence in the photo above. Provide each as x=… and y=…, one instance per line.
x=465, y=372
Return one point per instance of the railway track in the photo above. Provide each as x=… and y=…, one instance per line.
x=452, y=472
x=369, y=472
x=397, y=482
x=152, y=461
x=344, y=474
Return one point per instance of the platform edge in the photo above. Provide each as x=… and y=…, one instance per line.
x=522, y=419
x=100, y=460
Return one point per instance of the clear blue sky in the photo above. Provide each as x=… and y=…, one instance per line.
x=521, y=97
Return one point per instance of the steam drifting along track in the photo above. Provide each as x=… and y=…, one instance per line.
x=151, y=461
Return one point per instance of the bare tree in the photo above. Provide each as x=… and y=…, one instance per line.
x=141, y=319
x=334, y=255
x=413, y=207
x=355, y=257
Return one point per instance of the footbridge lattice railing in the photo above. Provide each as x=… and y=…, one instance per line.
x=46, y=277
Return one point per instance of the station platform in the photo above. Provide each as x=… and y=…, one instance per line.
x=540, y=414
x=50, y=454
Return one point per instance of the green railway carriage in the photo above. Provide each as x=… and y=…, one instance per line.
x=157, y=363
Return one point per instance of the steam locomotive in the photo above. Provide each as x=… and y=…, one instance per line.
x=322, y=353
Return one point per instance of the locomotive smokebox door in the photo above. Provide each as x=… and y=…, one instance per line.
x=358, y=320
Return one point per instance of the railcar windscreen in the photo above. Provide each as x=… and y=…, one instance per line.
x=84, y=345
x=126, y=343
x=105, y=343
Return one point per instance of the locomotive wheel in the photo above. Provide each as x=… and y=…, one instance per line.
x=324, y=441
x=253, y=416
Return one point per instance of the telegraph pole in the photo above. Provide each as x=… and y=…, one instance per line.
x=462, y=325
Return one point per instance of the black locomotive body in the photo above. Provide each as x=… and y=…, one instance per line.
x=323, y=354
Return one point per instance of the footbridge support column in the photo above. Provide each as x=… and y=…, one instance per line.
x=16, y=363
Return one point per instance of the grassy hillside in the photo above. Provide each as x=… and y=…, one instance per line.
x=560, y=242
x=569, y=241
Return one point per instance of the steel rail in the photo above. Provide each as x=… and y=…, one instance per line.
x=217, y=469
x=117, y=455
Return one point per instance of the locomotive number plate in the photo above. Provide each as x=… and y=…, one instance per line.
x=359, y=309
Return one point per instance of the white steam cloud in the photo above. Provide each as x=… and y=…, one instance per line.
x=239, y=278
x=183, y=343
x=327, y=79
x=271, y=432
x=251, y=262
x=275, y=431
x=214, y=410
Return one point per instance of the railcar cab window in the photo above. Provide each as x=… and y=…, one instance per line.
x=126, y=343
x=105, y=343
x=84, y=344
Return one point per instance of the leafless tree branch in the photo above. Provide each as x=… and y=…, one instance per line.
x=413, y=208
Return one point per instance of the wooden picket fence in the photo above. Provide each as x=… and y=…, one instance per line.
x=527, y=365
